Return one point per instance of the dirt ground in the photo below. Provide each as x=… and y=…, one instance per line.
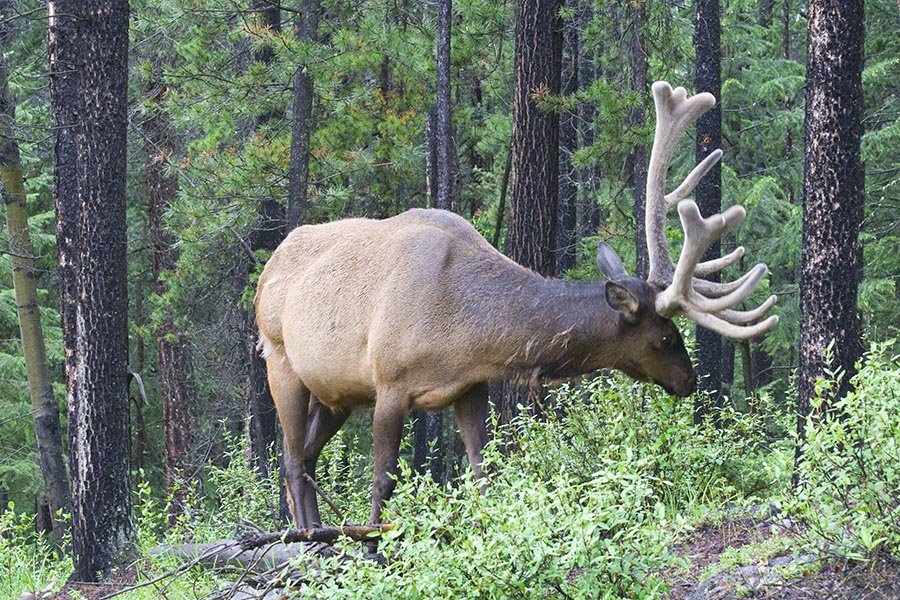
x=806, y=579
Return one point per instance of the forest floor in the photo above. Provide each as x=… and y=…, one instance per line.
x=731, y=558
x=751, y=557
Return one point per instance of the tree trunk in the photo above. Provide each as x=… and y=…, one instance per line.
x=478, y=162
x=531, y=230
x=306, y=31
x=639, y=121
x=709, y=191
x=44, y=406
x=428, y=429
x=267, y=233
x=443, y=116
x=831, y=258
x=588, y=214
x=568, y=142
x=88, y=43
x=172, y=342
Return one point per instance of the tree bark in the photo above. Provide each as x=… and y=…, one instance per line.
x=428, y=438
x=831, y=258
x=266, y=551
x=567, y=238
x=44, y=406
x=709, y=192
x=88, y=43
x=588, y=213
x=531, y=230
x=443, y=116
x=640, y=67
x=174, y=366
x=267, y=233
x=306, y=31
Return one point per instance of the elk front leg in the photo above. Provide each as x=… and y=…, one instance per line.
x=291, y=398
x=387, y=428
x=470, y=411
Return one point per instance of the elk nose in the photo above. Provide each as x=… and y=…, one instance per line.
x=690, y=384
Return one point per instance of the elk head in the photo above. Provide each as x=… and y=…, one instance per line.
x=671, y=289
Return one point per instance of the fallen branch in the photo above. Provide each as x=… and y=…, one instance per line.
x=326, y=535
x=264, y=551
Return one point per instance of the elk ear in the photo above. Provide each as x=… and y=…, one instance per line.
x=609, y=262
x=622, y=300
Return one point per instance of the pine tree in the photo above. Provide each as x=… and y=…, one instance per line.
x=88, y=95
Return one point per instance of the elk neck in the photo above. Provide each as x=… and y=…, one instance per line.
x=551, y=328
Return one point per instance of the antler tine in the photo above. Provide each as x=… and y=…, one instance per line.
x=674, y=114
x=705, y=302
x=731, y=330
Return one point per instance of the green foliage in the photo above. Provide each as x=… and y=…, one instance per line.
x=28, y=561
x=613, y=421
x=849, y=467
x=584, y=503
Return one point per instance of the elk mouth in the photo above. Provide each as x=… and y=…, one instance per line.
x=682, y=390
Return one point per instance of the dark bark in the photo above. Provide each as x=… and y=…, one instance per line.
x=531, y=234
x=44, y=406
x=639, y=121
x=747, y=368
x=766, y=10
x=728, y=348
x=431, y=170
x=788, y=102
x=428, y=444
x=88, y=93
x=709, y=192
x=428, y=439
x=174, y=363
x=305, y=30
x=443, y=117
x=267, y=233
x=501, y=202
x=761, y=365
x=588, y=212
x=531, y=230
x=568, y=142
x=833, y=187
x=477, y=161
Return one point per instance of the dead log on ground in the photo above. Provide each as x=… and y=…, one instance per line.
x=258, y=552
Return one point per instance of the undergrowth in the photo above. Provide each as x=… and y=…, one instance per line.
x=585, y=501
x=849, y=468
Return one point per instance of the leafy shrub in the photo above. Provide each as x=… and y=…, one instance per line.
x=727, y=458
x=28, y=561
x=577, y=507
x=849, y=466
x=527, y=537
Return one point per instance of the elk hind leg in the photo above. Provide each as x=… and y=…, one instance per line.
x=322, y=425
x=291, y=398
x=391, y=409
x=470, y=411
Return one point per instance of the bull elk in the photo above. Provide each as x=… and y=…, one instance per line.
x=418, y=312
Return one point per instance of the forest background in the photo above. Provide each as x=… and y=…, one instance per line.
x=212, y=88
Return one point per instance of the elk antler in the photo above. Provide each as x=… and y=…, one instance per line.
x=707, y=303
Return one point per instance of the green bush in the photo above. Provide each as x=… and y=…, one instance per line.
x=579, y=505
x=729, y=457
x=527, y=537
x=849, y=466
x=28, y=561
